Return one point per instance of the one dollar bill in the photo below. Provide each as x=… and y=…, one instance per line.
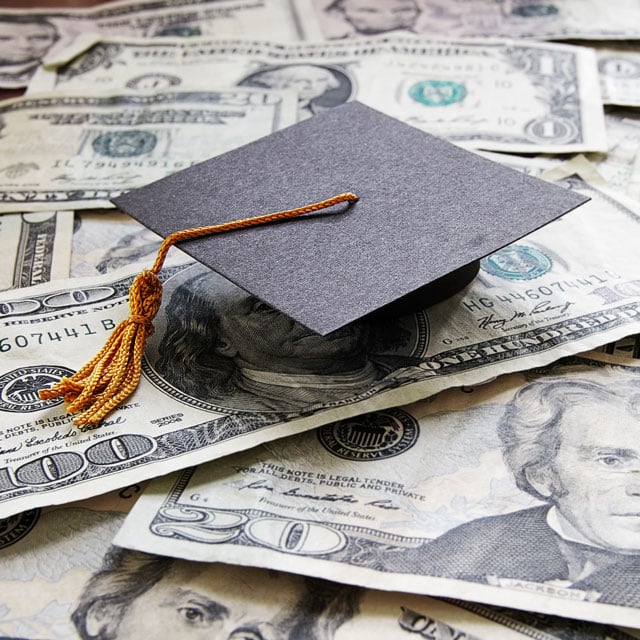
x=503, y=95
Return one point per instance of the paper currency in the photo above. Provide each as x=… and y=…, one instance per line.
x=620, y=166
x=55, y=555
x=107, y=241
x=569, y=287
x=76, y=152
x=500, y=95
x=619, y=68
x=46, y=558
x=34, y=248
x=554, y=169
x=559, y=19
x=628, y=347
x=519, y=493
x=28, y=36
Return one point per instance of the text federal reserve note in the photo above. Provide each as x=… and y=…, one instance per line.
x=205, y=392
x=521, y=492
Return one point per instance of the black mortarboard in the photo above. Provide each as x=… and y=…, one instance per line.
x=427, y=209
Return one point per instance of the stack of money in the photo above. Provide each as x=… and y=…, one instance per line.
x=471, y=470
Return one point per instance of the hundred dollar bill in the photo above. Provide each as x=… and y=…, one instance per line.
x=559, y=19
x=30, y=35
x=77, y=152
x=34, y=248
x=521, y=493
x=80, y=587
x=499, y=95
x=619, y=68
x=223, y=372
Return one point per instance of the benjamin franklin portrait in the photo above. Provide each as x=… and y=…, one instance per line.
x=220, y=345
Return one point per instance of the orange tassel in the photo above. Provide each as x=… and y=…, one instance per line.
x=112, y=375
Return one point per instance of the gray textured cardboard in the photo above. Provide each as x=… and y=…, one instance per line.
x=426, y=208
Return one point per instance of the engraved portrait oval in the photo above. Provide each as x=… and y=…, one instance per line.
x=319, y=87
x=218, y=348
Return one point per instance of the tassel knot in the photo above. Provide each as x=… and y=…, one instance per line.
x=114, y=372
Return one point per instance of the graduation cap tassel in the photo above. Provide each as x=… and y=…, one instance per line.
x=112, y=375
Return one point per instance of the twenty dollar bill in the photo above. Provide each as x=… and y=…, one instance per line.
x=75, y=152
x=521, y=492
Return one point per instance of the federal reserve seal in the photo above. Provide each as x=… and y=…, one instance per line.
x=17, y=527
x=124, y=144
x=373, y=436
x=437, y=93
x=517, y=262
x=19, y=388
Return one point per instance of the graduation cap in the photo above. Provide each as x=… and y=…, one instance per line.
x=426, y=212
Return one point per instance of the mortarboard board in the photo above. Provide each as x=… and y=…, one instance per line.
x=427, y=211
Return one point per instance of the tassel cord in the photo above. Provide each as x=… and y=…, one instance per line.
x=112, y=375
